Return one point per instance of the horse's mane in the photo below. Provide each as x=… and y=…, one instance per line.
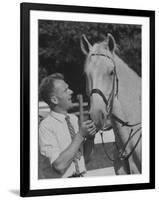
x=126, y=73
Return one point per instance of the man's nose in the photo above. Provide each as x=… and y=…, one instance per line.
x=71, y=92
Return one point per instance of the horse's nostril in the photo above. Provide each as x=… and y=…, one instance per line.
x=99, y=117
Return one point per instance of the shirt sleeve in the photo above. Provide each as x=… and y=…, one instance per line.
x=48, y=144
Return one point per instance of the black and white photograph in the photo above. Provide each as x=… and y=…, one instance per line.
x=86, y=75
x=106, y=91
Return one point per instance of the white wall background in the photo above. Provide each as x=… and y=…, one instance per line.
x=10, y=103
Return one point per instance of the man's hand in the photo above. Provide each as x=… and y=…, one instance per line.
x=87, y=129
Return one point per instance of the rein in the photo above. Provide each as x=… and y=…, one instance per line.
x=122, y=153
x=109, y=103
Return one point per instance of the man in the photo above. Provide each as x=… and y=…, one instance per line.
x=60, y=138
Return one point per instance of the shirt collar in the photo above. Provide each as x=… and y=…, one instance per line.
x=59, y=116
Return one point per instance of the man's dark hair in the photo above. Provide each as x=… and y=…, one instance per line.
x=47, y=86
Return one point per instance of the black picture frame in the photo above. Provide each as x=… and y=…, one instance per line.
x=25, y=9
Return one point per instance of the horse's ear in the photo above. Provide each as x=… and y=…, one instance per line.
x=85, y=45
x=111, y=42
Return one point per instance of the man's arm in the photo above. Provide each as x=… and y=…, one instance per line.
x=66, y=157
x=49, y=147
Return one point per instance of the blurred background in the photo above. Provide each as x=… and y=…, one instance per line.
x=59, y=48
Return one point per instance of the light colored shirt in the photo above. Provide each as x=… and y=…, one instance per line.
x=54, y=138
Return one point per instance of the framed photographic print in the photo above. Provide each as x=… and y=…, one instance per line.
x=87, y=99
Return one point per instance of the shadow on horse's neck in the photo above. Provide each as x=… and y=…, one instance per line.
x=129, y=92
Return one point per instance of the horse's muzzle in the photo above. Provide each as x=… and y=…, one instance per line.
x=101, y=120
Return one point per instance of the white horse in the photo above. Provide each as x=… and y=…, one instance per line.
x=115, y=100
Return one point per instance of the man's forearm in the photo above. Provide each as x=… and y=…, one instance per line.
x=66, y=157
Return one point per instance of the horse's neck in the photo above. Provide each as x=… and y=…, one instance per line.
x=121, y=132
x=129, y=91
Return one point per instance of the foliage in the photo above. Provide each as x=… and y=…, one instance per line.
x=59, y=47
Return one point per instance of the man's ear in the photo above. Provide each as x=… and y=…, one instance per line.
x=85, y=45
x=54, y=100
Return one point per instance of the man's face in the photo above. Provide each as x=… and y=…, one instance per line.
x=63, y=94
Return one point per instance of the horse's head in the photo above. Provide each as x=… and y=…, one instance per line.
x=100, y=75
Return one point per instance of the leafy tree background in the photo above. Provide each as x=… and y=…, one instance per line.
x=59, y=48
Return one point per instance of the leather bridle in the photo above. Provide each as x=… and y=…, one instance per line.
x=109, y=105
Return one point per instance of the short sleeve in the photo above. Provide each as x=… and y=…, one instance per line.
x=48, y=144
